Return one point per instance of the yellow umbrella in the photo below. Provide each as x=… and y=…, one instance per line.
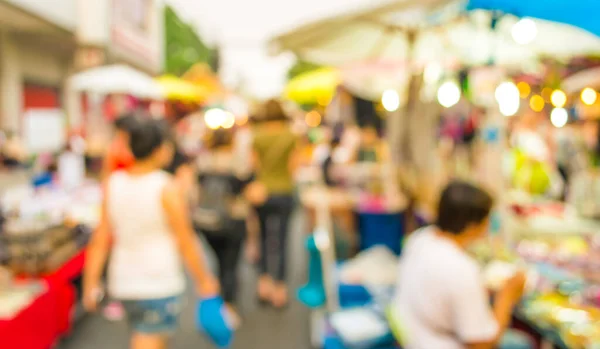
x=181, y=90
x=316, y=87
x=200, y=74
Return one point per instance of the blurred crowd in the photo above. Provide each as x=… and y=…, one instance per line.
x=235, y=189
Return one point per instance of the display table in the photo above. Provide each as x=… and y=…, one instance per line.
x=544, y=338
x=49, y=317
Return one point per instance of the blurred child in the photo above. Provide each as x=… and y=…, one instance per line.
x=145, y=228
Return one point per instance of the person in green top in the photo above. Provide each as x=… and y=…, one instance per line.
x=372, y=148
x=275, y=158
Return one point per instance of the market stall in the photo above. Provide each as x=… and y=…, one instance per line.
x=472, y=61
x=42, y=241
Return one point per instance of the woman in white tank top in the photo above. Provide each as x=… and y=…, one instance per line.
x=146, y=229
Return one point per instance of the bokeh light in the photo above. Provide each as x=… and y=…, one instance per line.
x=448, y=94
x=313, y=118
x=524, y=89
x=228, y=120
x=589, y=96
x=390, y=100
x=214, y=118
x=547, y=94
x=433, y=73
x=558, y=98
x=559, y=117
x=524, y=31
x=508, y=98
x=536, y=103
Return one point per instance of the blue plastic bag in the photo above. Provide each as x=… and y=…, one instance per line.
x=213, y=320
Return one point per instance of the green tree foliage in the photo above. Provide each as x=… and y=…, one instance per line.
x=302, y=67
x=183, y=46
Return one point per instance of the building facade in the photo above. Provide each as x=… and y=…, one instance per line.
x=41, y=46
x=37, y=43
x=116, y=31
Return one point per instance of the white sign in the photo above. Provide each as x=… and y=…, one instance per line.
x=44, y=130
x=71, y=170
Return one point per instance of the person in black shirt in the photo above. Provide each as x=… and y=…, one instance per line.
x=222, y=211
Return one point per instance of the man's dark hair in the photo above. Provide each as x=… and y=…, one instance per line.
x=147, y=136
x=461, y=205
x=126, y=123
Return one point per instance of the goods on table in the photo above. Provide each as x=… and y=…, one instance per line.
x=364, y=327
x=18, y=296
x=577, y=324
x=42, y=229
x=547, y=219
x=368, y=187
x=35, y=247
x=561, y=253
x=585, y=194
x=5, y=279
x=376, y=266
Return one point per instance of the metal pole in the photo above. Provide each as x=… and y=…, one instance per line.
x=325, y=240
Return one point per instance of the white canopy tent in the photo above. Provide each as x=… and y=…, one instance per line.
x=117, y=79
x=379, y=47
x=579, y=81
x=423, y=31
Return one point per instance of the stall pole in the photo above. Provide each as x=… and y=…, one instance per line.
x=325, y=240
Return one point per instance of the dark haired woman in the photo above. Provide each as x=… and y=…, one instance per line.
x=146, y=229
x=275, y=157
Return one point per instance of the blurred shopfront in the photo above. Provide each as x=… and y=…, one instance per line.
x=41, y=46
x=37, y=44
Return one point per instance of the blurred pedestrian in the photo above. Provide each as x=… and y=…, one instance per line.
x=146, y=229
x=441, y=300
x=118, y=157
x=372, y=148
x=222, y=211
x=275, y=154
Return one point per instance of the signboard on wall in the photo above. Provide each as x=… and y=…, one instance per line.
x=136, y=30
x=44, y=130
x=89, y=57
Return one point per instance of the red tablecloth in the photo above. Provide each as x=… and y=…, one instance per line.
x=42, y=323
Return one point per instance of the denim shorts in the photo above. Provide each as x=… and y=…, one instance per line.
x=153, y=316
